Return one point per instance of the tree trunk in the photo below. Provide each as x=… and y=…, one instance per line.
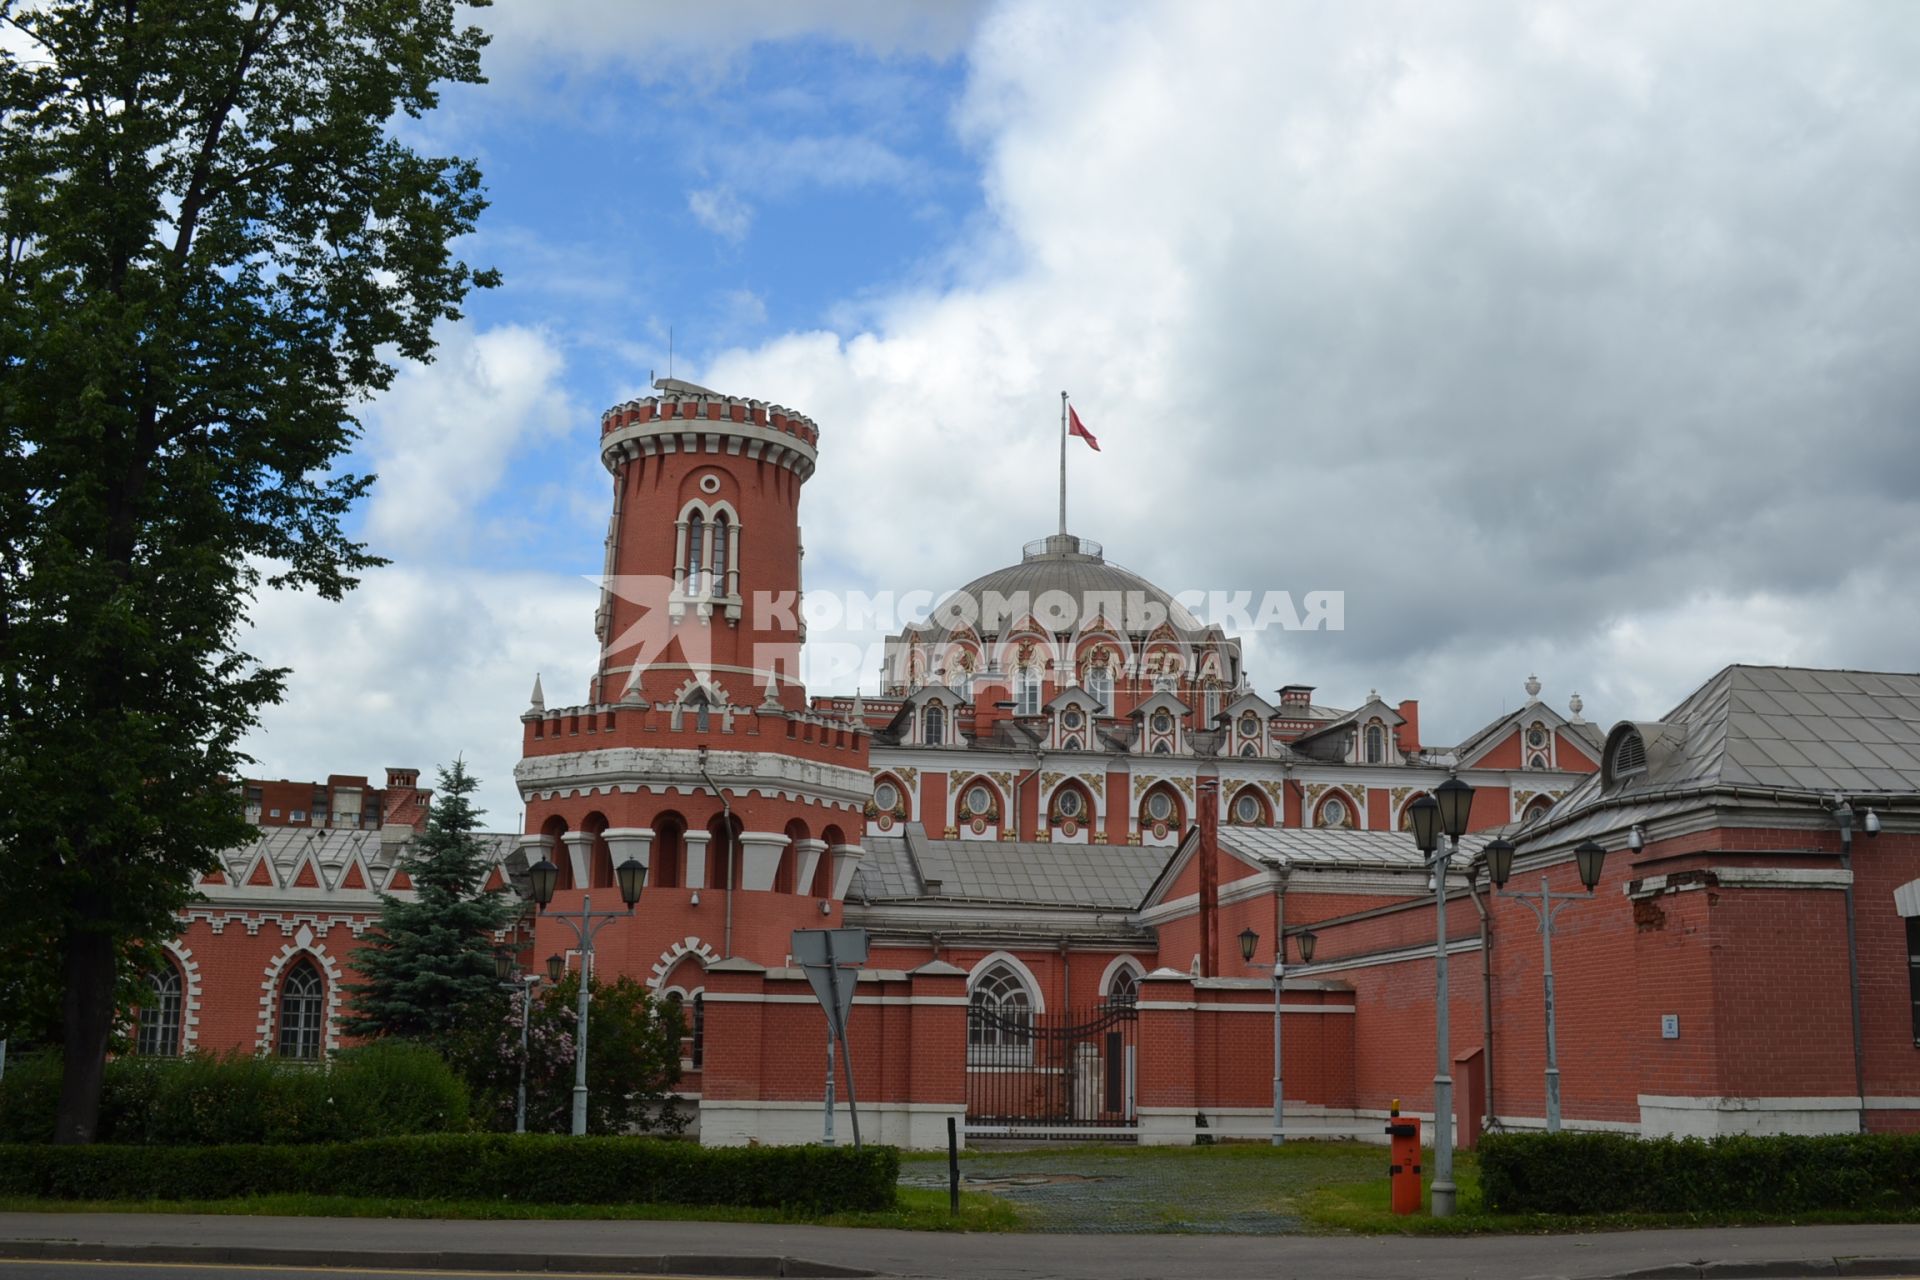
x=86, y=1023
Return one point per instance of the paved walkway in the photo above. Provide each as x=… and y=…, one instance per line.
x=754, y=1249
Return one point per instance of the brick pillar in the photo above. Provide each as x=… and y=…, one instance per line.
x=731, y=1059
x=1164, y=1084
x=937, y=1045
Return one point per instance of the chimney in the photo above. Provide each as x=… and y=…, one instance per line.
x=1296, y=695
x=1209, y=820
x=1407, y=736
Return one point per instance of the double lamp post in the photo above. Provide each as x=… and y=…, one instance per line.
x=1446, y=812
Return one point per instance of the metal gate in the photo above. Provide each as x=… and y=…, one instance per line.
x=1047, y=1074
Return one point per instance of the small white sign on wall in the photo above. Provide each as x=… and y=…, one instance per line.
x=1669, y=1026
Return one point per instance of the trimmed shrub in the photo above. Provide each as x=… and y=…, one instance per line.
x=385, y=1089
x=534, y=1169
x=1616, y=1173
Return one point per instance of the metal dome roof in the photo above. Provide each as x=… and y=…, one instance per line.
x=1066, y=582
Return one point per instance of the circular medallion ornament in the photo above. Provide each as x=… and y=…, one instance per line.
x=709, y=483
x=978, y=826
x=1159, y=831
x=884, y=822
x=1069, y=827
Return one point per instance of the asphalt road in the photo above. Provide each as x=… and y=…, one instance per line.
x=390, y=1246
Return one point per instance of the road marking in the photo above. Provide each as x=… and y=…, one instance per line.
x=360, y=1271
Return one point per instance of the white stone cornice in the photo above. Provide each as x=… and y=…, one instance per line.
x=628, y=768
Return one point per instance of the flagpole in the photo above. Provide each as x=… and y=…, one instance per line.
x=1063, y=464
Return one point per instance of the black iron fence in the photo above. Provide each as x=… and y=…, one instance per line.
x=1065, y=1070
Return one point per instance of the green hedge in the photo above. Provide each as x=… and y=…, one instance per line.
x=1615, y=1173
x=534, y=1169
x=384, y=1089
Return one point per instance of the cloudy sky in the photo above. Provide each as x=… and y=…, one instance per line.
x=1569, y=339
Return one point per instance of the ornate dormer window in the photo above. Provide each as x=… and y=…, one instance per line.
x=1376, y=744
x=934, y=725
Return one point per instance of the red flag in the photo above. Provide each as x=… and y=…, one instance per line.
x=1075, y=427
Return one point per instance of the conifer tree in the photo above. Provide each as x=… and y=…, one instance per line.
x=430, y=961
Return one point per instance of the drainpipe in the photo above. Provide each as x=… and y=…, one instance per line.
x=1843, y=815
x=726, y=852
x=1039, y=814
x=1486, y=985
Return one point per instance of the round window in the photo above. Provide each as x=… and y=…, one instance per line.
x=1249, y=726
x=978, y=800
x=885, y=796
x=1162, y=722
x=1333, y=813
x=1159, y=806
x=1536, y=737
x=1247, y=809
x=1071, y=719
x=1068, y=803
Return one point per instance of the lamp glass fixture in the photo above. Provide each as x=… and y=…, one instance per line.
x=1425, y=814
x=1248, y=941
x=632, y=875
x=556, y=967
x=1456, y=804
x=1499, y=854
x=503, y=966
x=1590, y=858
x=1307, y=938
x=543, y=878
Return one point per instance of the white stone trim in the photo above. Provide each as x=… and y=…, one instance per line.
x=1114, y=966
x=1740, y=878
x=304, y=943
x=1267, y=1008
x=753, y=997
x=1906, y=898
x=1664, y=1116
x=1014, y=963
x=1454, y=948
x=915, y=1126
x=628, y=769
x=1893, y=1104
x=760, y=854
x=673, y=955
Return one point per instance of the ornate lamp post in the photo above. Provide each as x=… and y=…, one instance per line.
x=1589, y=857
x=524, y=983
x=1443, y=812
x=631, y=875
x=1249, y=943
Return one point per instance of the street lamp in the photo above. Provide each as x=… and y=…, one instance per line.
x=543, y=877
x=1444, y=812
x=503, y=970
x=1588, y=858
x=1249, y=943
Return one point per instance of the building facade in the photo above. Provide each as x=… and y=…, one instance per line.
x=1075, y=833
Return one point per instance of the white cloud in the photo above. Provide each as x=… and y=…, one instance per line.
x=417, y=666
x=1539, y=331
x=442, y=437
x=720, y=211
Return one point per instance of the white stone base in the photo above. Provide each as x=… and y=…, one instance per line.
x=1670, y=1117
x=1177, y=1127
x=914, y=1126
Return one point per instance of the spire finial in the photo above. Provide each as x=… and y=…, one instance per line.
x=772, y=698
x=539, y=700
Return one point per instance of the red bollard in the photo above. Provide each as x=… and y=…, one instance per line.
x=1403, y=1174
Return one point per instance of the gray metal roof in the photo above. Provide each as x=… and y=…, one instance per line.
x=1339, y=846
x=1076, y=568
x=1772, y=729
x=1098, y=876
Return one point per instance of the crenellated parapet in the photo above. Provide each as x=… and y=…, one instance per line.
x=688, y=421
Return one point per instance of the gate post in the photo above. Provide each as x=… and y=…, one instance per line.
x=1164, y=1078
x=937, y=1052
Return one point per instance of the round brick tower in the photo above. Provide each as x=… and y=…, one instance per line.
x=695, y=751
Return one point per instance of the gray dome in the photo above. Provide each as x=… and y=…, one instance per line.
x=1066, y=582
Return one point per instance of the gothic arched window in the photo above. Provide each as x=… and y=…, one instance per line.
x=718, y=575
x=302, y=1011
x=1000, y=1010
x=696, y=554
x=935, y=731
x=1376, y=744
x=1125, y=987
x=159, y=1018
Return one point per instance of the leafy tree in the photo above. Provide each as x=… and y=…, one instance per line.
x=212, y=245
x=633, y=1058
x=427, y=960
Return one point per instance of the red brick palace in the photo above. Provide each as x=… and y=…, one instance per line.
x=1075, y=833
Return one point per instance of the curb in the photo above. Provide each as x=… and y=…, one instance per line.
x=675, y=1264
x=1777, y=1269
